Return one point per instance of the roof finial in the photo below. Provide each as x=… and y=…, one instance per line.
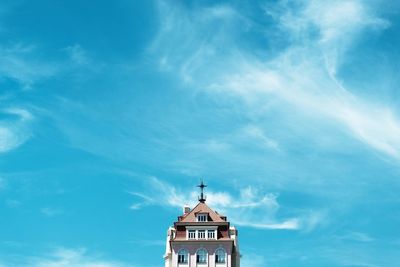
x=202, y=197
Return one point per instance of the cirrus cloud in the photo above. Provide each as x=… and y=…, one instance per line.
x=15, y=128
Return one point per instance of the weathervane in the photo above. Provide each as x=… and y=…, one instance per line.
x=202, y=197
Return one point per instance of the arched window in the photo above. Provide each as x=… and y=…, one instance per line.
x=220, y=255
x=183, y=256
x=201, y=256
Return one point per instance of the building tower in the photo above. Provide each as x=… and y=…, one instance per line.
x=202, y=238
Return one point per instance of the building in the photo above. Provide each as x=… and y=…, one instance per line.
x=202, y=237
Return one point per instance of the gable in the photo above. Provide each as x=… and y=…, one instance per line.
x=202, y=208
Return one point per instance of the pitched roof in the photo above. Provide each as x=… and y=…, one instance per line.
x=202, y=208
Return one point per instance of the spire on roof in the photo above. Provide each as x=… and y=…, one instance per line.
x=202, y=197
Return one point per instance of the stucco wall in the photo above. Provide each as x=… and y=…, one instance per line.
x=192, y=247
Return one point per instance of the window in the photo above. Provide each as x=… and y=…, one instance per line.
x=201, y=256
x=220, y=255
x=192, y=234
x=211, y=234
x=183, y=256
x=202, y=218
x=201, y=234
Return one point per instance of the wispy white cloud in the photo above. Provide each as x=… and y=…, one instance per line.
x=250, y=208
x=26, y=64
x=333, y=26
x=8, y=139
x=20, y=63
x=291, y=224
x=187, y=55
x=301, y=78
x=295, y=77
x=371, y=123
x=144, y=201
x=257, y=134
x=15, y=129
x=248, y=135
x=357, y=236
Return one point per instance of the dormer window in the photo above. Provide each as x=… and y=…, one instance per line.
x=202, y=217
x=192, y=234
x=211, y=234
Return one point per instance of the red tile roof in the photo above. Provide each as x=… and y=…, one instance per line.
x=202, y=208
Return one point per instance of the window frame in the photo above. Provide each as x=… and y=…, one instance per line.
x=204, y=257
x=192, y=232
x=185, y=256
x=211, y=234
x=203, y=232
x=204, y=217
x=217, y=255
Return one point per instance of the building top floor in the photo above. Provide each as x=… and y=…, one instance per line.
x=202, y=224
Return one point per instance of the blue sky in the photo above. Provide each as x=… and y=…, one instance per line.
x=111, y=112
